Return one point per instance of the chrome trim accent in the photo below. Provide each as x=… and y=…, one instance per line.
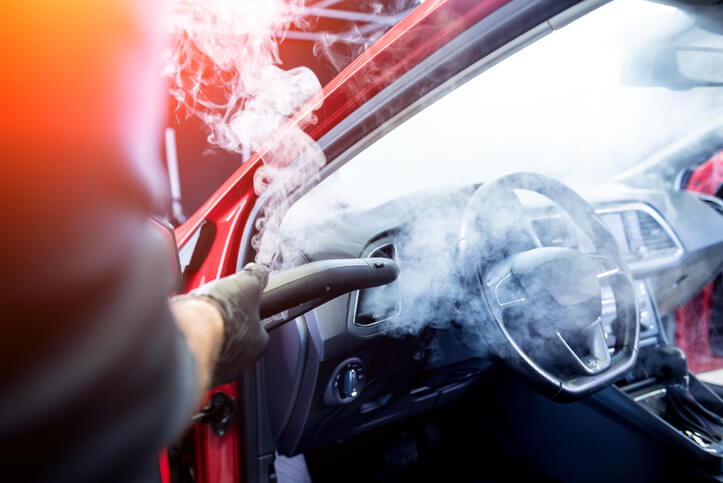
x=497, y=294
x=609, y=273
x=657, y=392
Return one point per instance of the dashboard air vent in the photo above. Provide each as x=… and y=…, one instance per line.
x=378, y=304
x=715, y=203
x=641, y=234
x=647, y=238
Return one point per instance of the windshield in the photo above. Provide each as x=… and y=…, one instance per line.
x=582, y=105
x=630, y=94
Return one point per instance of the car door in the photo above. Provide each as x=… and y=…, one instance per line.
x=408, y=62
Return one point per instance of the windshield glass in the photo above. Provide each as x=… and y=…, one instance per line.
x=582, y=104
x=630, y=94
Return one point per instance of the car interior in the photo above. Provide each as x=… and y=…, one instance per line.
x=547, y=237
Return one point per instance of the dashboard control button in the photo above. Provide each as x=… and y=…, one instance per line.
x=350, y=388
x=346, y=382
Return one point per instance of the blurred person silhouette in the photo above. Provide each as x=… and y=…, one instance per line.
x=98, y=370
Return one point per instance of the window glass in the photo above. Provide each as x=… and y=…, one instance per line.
x=585, y=105
x=565, y=106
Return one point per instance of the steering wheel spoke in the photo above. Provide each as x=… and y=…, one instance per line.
x=588, y=352
x=523, y=219
x=608, y=267
x=530, y=229
x=508, y=292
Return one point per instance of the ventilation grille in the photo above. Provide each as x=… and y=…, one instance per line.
x=378, y=304
x=647, y=238
x=714, y=203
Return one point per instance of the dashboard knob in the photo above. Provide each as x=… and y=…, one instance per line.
x=350, y=384
x=346, y=383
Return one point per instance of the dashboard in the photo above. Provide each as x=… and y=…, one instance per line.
x=373, y=356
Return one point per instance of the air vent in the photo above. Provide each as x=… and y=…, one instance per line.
x=378, y=304
x=387, y=250
x=647, y=238
x=715, y=203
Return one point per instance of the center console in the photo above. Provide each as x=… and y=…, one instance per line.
x=664, y=399
x=674, y=406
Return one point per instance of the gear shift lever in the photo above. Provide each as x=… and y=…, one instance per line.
x=673, y=366
x=682, y=408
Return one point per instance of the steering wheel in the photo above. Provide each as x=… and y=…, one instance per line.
x=542, y=305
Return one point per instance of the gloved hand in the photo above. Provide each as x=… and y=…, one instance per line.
x=237, y=298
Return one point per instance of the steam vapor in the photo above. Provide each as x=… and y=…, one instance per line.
x=573, y=120
x=224, y=69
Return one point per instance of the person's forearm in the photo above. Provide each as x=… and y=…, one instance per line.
x=203, y=327
x=222, y=326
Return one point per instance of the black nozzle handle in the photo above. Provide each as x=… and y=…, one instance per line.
x=302, y=288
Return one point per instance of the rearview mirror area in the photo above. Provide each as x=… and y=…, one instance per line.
x=702, y=66
x=691, y=58
x=675, y=68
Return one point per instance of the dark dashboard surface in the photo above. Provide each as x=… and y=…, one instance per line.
x=365, y=359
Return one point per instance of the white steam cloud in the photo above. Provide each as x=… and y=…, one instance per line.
x=338, y=49
x=224, y=68
x=558, y=107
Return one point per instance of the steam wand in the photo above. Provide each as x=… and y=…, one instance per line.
x=293, y=292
